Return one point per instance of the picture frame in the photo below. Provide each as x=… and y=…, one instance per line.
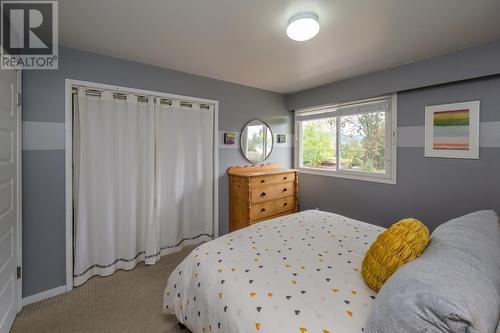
x=281, y=138
x=229, y=138
x=452, y=130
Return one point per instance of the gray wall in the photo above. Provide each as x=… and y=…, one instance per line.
x=43, y=155
x=466, y=64
x=431, y=189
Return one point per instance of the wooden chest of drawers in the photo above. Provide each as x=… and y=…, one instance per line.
x=258, y=193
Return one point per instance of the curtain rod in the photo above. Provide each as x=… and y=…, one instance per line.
x=140, y=98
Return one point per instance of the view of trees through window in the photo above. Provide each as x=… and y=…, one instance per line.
x=319, y=143
x=255, y=139
x=362, y=142
x=259, y=142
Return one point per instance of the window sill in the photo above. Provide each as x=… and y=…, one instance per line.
x=349, y=175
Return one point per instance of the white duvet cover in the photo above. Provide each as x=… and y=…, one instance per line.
x=298, y=273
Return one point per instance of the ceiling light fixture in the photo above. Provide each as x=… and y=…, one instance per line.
x=303, y=26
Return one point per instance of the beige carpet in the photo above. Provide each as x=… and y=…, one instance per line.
x=127, y=301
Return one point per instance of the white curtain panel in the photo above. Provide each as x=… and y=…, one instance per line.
x=115, y=193
x=143, y=181
x=184, y=183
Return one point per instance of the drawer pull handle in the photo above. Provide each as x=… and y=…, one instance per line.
x=284, y=178
x=284, y=190
x=262, y=181
x=262, y=210
x=285, y=204
x=263, y=194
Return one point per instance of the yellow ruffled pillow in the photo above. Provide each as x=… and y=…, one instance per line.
x=401, y=243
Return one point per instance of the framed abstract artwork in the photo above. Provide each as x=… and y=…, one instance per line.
x=452, y=130
x=229, y=138
x=281, y=138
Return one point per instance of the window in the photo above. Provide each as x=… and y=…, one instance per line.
x=353, y=140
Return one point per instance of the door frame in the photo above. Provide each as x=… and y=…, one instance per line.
x=69, y=83
x=19, y=109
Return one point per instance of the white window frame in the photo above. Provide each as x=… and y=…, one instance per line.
x=389, y=177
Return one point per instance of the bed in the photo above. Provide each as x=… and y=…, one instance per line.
x=297, y=273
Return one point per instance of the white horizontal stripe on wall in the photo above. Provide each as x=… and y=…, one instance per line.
x=289, y=140
x=236, y=140
x=50, y=136
x=43, y=136
x=411, y=136
x=414, y=136
x=489, y=134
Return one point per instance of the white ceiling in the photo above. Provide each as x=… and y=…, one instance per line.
x=244, y=41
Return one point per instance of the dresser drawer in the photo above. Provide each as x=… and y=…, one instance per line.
x=271, y=179
x=269, y=192
x=270, y=208
x=288, y=212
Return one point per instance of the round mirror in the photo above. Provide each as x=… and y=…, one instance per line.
x=256, y=141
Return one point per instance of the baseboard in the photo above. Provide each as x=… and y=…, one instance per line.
x=44, y=295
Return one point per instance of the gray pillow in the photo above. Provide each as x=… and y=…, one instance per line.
x=454, y=286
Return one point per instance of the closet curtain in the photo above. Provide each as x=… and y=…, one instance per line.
x=143, y=181
x=184, y=193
